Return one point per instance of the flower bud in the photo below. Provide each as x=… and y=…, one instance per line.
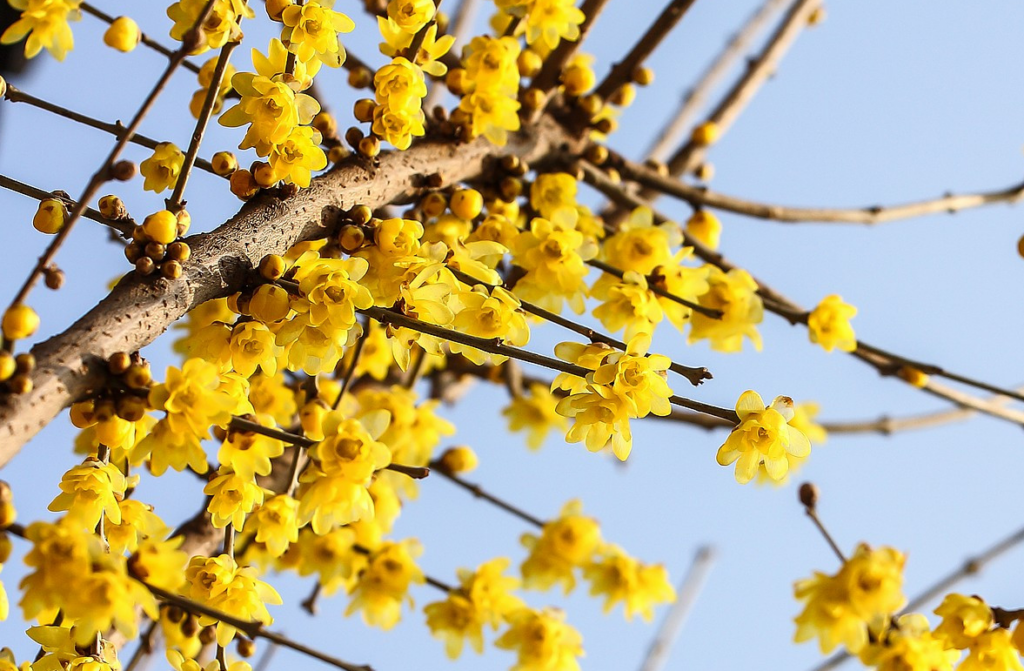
x=459, y=459
x=19, y=321
x=161, y=227
x=224, y=163
x=50, y=216
x=123, y=34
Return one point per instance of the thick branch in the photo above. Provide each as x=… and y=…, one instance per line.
x=139, y=309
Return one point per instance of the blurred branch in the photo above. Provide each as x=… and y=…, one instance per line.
x=694, y=98
x=689, y=589
x=478, y=492
x=876, y=214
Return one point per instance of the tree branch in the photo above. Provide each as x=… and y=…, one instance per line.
x=71, y=364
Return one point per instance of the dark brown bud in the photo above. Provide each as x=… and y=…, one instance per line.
x=170, y=269
x=119, y=362
x=24, y=363
x=809, y=495
x=145, y=266
x=53, y=277
x=123, y=171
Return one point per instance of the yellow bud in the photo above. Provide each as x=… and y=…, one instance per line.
x=243, y=184
x=224, y=163
x=311, y=417
x=161, y=227
x=325, y=123
x=263, y=173
x=459, y=459
x=276, y=7
x=816, y=17
x=912, y=376
x=336, y=153
x=643, y=76
x=534, y=98
x=704, y=227
x=466, y=203
x=113, y=207
x=7, y=365
x=529, y=63
x=457, y=81
x=577, y=80
x=50, y=216
x=82, y=414
x=184, y=221
x=272, y=267
x=20, y=321
x=363, y=109
x=269, y=303
x=434, y=204
x=351, y=238
x=623, y=96
x=138, y=376
x=705, y=134
x=123, y=34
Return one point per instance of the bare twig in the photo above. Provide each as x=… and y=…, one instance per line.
x=124, y=227
x=145, y=39
x=875, y=214
x=694, y=98
x=16, y=95
x=623, y=71
x=686, y=596
x=478, y=492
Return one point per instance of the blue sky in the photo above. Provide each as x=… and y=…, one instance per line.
x=884, y=102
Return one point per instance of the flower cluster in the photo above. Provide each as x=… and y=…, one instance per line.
x=490, y=85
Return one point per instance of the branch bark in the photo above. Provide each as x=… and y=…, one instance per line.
x=71, y=364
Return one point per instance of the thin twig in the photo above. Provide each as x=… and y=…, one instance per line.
x=144, y=649
x=16, y=95
x=124, y=227
x=695, y=96
x=101, y=175
x=478, y=492
x=686, y=596
x=659, y=29
x=249, y=628
x=145, y=39
x=489, y=345
x=346, y=381
x=176, y=202
x=694, y=375
x=813, y=514
x=875, y=214
x=691, y=154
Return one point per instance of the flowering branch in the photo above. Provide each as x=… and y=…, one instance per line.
x=694, y=98
x=145, y=39
x=123, y=226
x=553, y=65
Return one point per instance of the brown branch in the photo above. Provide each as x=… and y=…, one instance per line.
x=884, y=362
x=623, y=71
x=875, y=214
x=139, y=309
x=495, y=347
x=124, y=227
x=16, y=95
x=249, y=628
x=694, y=98
x=691, y=154
x=551, y=70
x=695, y=375
x=478, y=492
x=145, y=39
x=175, y=202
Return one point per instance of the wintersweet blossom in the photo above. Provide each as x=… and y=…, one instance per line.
x=829, y=324
x=763, y=435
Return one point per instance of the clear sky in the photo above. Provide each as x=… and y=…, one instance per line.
x=882, y=103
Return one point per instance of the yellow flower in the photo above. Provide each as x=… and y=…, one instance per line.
x=248, y=454
x=220, y=27
x=89, y=491
x=160, y=563
x=964, y=619
x=274, y=64
x=909, y=645
x=992, y=651
x=330, y=557
x=640, y=245
x=231, y=499
x=492, y=314
x=566, y=543
x=219, y=583
x=735, y=294
x=192, y=398
x=551, y=192
x=638, y=377
x=331, y=290
x=490, y=64
x=492, y=114
x=384, y=584
x=399, y=84
x=550, y=21
x=398, y=126
x=252, y=345
x=162, y=168
x=311, y=31
x=294, y=159
x=683, y=282
x=276, y=523
x=138, y=522
x=46, y=24
x=167, y=445
x=627, y=304
x=704, y=227
x=763, y=436
x=554, y=256
x=542, y=641
x=271, y=108
x=482, y=598
x=841, y=609
x=829, y=324
x=601, y=419
x=536, y=413
x=622, y=578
